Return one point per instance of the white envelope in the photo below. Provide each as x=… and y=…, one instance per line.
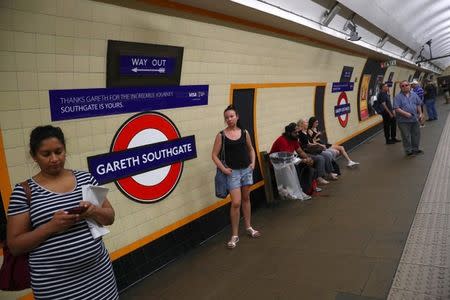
x=95, y=195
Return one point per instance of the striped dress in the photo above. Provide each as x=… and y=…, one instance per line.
x=70, y=264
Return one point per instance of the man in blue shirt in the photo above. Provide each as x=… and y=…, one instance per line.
x=416, y=88
x=409, y=114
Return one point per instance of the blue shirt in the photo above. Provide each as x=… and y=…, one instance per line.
x=419, y=91
x=408, y=104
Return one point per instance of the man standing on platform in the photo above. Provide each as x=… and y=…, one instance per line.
x=407, y=105
x=416, y=88
x=388, y=114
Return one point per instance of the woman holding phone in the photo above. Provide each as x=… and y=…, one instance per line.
x=64, y=259
x=239, y=165
x=315, y=137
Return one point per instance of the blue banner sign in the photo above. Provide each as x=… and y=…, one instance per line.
x=146, y=65
x=87, y=103
x=116, y=165
x=342, y=87
x=389, y=83
x=342, y=109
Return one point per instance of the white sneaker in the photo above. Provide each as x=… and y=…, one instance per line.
x=352, y=163
x=322, y=181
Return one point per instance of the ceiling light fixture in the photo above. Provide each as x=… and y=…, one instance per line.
x=330, y=14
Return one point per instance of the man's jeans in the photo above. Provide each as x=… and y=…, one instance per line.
x=431, y=109
x=410, y=136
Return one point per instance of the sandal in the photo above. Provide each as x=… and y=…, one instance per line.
x=233, y=242
x=253, y=233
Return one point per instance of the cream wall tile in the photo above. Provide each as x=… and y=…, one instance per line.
x=112, y=32
x=29, y=99
x=43, y=99
x=81, y=63
x=27, y=81
x=65, y=27
x=85, y=144
x=15, y=156
x=46, y=63
x=64, y=81
x=81, y=80
x=7, y=61
x=10, y=119
x=64, y=63
x=25, y=42
x=45, y=116
x=98, y=48
x=25, y=62
x=31, y=117
x=81, y=46
x=64, y=45
x=24, y=21
x=109, y=14
x=13, y=138
x=83, y=29
x=45, y=24
x=83, y=128
x=47, y=81
x=8, y=81
x=9, y=101
x=83, y=9
x=7, y=38
x=19, y=173
x=6, y=19
x=39, y=6
x=97, y=64
x=45, y=43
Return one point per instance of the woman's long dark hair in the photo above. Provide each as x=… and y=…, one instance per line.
x=311, y=122
x=231, y=107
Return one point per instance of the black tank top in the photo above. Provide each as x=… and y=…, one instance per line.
x=236, y=152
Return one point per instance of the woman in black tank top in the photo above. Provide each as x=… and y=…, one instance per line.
x=239, y=165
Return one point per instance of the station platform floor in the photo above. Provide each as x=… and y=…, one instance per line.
x=346, y=243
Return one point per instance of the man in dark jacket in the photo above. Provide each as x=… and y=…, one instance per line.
x=388, y=114
x=430, y=92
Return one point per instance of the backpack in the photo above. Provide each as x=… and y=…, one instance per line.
x=376, y=105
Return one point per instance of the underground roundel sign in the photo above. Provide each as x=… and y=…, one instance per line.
x=342, y=109
x=146, y=157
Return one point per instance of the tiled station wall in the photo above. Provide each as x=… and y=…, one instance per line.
x=61, y=44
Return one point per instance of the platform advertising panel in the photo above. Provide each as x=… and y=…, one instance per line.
x=364, y=94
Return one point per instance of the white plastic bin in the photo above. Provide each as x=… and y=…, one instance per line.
x=286, y=175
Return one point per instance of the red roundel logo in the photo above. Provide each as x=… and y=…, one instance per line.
x=343, y=119
x=143, y=129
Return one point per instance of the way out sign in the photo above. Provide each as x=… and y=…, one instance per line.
x=146, y=65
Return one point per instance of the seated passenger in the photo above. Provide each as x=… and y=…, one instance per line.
x=315, y=136
x=288, y=142
x=314, y=150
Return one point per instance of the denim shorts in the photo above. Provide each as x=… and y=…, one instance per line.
x=239, y=177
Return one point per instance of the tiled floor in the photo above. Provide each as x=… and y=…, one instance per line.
x=344, y=244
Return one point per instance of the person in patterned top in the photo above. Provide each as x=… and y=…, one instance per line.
x=65, y=261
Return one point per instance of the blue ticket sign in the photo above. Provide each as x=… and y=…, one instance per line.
x=342, y=87
x=147, y=65
x=116, y=165
x=86, y=103
x=341, y=109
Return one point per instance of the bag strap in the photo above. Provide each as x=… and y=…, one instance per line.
x=222, y=152
x=27, y=189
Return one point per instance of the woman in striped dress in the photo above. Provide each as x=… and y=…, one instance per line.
x=65, y=261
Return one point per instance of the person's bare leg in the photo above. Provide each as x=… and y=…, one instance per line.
x=246, y=205
x=235, y=210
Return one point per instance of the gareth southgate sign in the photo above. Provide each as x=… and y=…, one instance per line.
x=146, y=158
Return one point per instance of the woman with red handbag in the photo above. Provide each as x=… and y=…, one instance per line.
x=65, y=260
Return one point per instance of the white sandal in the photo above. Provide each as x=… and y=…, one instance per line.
x=233, y=242
x=253, y=233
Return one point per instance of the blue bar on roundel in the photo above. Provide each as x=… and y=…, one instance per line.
x=112, y=166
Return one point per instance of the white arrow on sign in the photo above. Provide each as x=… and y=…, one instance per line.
x=160, y=70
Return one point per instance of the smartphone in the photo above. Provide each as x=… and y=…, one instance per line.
x=77, y=210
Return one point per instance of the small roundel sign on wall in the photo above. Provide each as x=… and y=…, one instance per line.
x=342, y=109
x=146, y=157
